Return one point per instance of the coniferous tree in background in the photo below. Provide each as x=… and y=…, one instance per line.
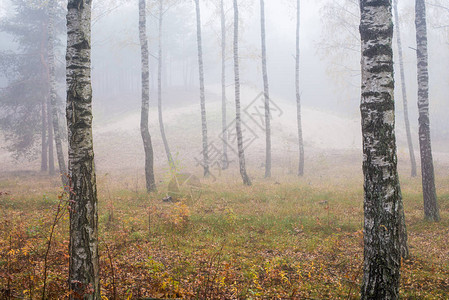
x=238, y=120
x=266, y=93
x=382, y=255
x=144, y=131
x=54, y=107
x=404, y=90
x=202, y=95
x=84, y=279
x=298, y=96
x=24, y=100
x=431, y=211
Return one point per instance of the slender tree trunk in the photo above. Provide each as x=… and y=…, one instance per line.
x=202, y=95
x=403, y=237
x=184, y=72
x=192, y=74
x=53, y=96
x=44, y=160
x=224, y=125
x=44, y=108
x=382, y=201
x=146, y=137
x=159, y=91
x=164, y=71
x=431, y=211
x=298, y=96
x=51, y=158
x=403, y=228
x=404, y=90
x=170, y=64
x=266, y=93
x=83, y=263
x=238, y=121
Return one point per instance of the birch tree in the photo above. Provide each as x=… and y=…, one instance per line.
x=202, y=94
x=403, y=228
x=298, y=96
x=44, y=140
x=51, y=155
x=159, y=89
x=84, y=280
x=404, y=89
x=52, y=5
x=266, y=92
x=238, y=120
x=144, y=130
x=431, y=211
x=225, y=161
x=342, y=15
x=382, y=255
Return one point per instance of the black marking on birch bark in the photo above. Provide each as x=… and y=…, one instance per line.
x=83, y=263
x=381, y=187
x=431, y=211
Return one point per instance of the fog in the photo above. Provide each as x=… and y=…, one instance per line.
x=325, y=207
x=329, y=75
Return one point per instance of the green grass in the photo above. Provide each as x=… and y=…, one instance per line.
x=298, y=239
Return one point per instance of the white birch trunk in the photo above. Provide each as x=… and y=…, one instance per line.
x=382, y=201
x=266, y=93
x=44, y=105
x=84, y=280
x=403, y=228
x=144, y=131
x=51, y=158
x=159, y=90
x=238, y=120
x=431, y=211
x=202, y=94
x=225, y=161
x=404, y=90
x=44, y=146
x=298, y=96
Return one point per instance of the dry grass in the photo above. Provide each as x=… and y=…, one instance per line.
x=281, y=238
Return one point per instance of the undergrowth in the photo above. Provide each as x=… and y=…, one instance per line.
x=296, y=239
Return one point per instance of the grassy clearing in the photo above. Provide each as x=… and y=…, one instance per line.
x=283, y=238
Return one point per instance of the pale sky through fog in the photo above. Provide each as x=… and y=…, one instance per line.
x=116, y=50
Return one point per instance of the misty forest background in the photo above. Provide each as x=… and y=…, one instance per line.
x=285, y=236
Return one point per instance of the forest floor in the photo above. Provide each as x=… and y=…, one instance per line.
x=284, y=238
